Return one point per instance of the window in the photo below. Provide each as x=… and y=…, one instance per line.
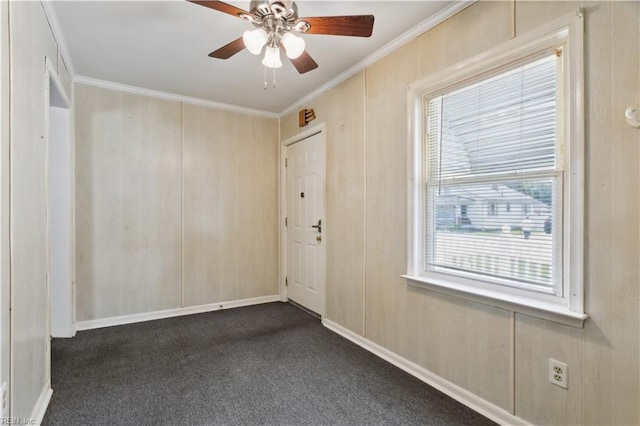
x=497, y=138
x=498, y=132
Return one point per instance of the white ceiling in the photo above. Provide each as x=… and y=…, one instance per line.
x=163, y=46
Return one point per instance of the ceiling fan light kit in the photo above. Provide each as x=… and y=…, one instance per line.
x=294, y=46
x=255, y=40
x=276, y=21
x=272, y=58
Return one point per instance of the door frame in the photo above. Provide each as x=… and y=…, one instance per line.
x=321, y=129
x=51, y=76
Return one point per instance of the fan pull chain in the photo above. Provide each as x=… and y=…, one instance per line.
x=273, y=82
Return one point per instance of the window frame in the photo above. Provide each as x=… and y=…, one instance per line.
x=567, y=307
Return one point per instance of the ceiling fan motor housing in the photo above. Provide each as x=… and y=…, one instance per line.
x=274, y=15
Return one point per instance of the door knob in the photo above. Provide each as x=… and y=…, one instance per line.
x=319, y=225
x=318, y=238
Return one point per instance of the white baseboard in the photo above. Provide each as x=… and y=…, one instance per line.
x=471, y=400
x=169, y=313
x=41, y=405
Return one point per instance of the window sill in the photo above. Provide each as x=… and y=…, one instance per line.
x=536, y=308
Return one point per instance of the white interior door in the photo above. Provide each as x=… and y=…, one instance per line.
x=305, y=209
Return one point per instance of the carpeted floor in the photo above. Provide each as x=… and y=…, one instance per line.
x=267, y=364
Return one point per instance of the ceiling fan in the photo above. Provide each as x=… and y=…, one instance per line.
x=276, y=23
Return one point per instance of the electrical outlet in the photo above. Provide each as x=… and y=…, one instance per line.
x=558, y=373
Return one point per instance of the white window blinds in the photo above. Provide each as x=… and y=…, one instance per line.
x=494, y=178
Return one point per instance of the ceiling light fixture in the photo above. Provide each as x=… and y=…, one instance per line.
x=294, y=46
x=272, y=58
x=255, y=40
x=274, y=20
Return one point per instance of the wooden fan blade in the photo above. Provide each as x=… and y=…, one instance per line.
x=355, y=26
x=220, y=7
x=304, y=63
x=227, y=51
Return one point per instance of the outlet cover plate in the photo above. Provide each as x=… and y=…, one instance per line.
x=558, y=373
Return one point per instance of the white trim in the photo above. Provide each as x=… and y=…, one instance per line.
x=171, y=97
x=471, y=400
x=567, y=307
x=54, y=23
x=574, y=265
x=40, y=408
x=52, y=75
x=388, y=48
x=511, y=302
x=414, y=32
x=170, y=313
x=51, y=72
x=320, y=128
x=282, y=213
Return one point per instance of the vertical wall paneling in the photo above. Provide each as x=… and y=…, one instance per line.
x=151, y=204
x=230, y=236
x=417, y=324
x=99, y=224
x=128, y=192
x=493, y=353
x=5, y=277
x=176, y=205
x=604, y=358
x=31, y=42
x=536, y=342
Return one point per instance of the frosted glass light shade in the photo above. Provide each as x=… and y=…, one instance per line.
x=272, y=58
x=294, y=46
x=254, y=40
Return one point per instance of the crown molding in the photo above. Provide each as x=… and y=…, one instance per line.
x=171, y=97
x=52, y=17
x=403, y=39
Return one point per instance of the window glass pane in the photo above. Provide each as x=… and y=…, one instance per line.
x=485, y=230
x=506, y=123
x=483, y=222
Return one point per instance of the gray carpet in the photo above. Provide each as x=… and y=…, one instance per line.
x=268, y=364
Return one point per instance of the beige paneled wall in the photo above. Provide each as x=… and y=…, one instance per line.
x=230, y=235
x=342, y=109
x=606, y=353
x=418, y=324
x=5, y=189
x=30, y=42
x=176, y=205
x=498, y=355
x=128, y=196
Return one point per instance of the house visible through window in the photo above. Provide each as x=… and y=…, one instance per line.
x=489, y=144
